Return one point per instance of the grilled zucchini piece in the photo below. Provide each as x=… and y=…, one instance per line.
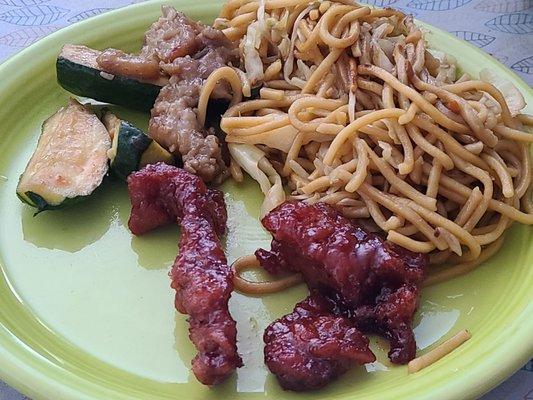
x=79, y=73
x=131, y=148
x=70, y=161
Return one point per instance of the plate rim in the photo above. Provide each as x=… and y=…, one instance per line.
x=501, y=362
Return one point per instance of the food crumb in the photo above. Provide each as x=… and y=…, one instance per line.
x=253, y=323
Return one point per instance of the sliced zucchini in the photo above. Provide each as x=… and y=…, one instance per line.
x=156, y=153
x=70, y=160
x=131, y=148
x=78, y=72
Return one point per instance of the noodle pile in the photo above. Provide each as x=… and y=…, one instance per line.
x=355, y=111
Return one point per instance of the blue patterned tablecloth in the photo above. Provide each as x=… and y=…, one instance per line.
x=503, y=28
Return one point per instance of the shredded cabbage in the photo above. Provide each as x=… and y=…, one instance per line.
x=255, y=163
x=248, y=157
x=252, y=60
x=274, y=197
x=514, y=99
x=447, y=65
x=279, y=138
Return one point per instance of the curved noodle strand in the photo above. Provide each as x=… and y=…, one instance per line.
x=259, y=288
x=225, y=73
x=413, y=95
x=438, y=352
x=352, y=129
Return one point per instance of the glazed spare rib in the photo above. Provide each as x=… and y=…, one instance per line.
x=375, y=283
x=162, y=194
x=185, y=52
x=311, y=346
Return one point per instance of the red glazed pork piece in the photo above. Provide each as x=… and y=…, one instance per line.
x=310, y=347
x=161, y=194
x=373, y=282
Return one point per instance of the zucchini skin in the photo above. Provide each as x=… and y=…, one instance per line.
x=154, y=154
x=132, y=143
x=131, y=148
x=34, y=200
x=88, y=82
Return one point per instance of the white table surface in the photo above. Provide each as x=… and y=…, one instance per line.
x=503, y=28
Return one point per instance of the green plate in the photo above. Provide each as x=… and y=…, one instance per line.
x=86, y=311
